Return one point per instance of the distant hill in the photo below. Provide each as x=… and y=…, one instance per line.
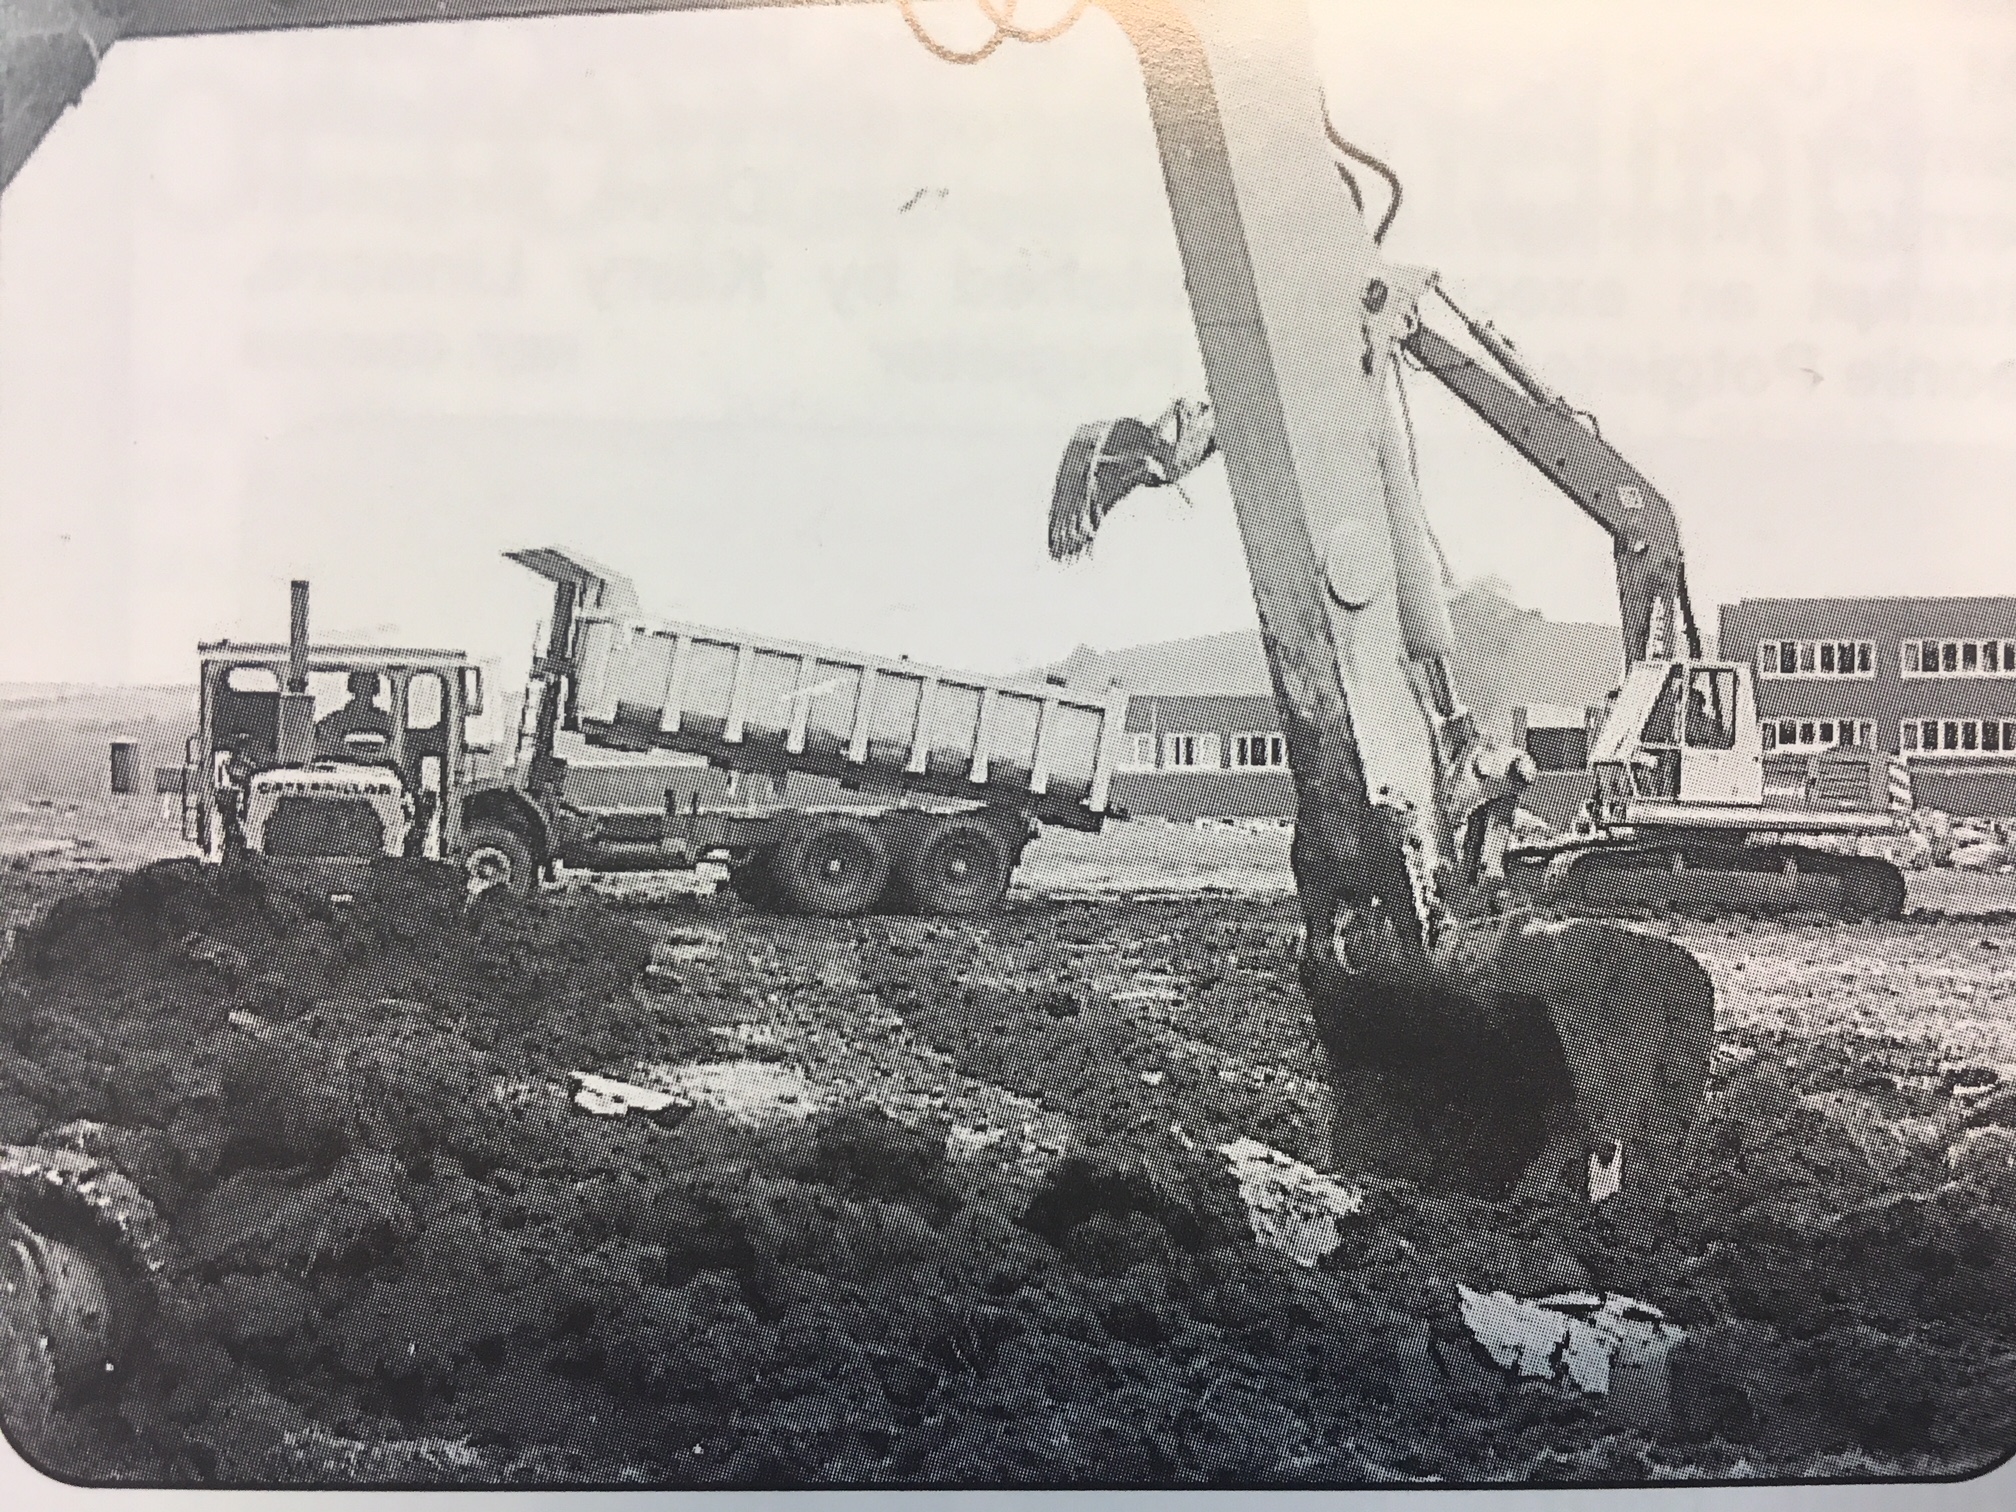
x=1506, y=657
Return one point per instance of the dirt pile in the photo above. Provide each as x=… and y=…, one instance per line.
x=403, y=1252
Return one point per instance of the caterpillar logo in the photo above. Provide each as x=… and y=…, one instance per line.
x=309, y=787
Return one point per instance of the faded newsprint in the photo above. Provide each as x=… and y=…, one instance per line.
x=969, y=744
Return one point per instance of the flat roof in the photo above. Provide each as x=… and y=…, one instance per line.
x=374, y=655
x=1877, y=598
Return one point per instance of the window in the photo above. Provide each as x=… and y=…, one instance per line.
x=1558, y=748
x=1816, y=658
x=353, y=713
x=252, y=680
x=358, y=689
x=1259, y=750
x=1711, y=709
x=423, y=701
x=1190, y=751
x=1659, y=724
x=1816, y=734
x=1993, y=737
x=1139, y=755
x=1958, y=658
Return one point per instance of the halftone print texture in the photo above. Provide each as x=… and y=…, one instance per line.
x=1156, y=864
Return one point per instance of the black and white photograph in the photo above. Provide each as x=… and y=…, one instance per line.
x=1007, y=744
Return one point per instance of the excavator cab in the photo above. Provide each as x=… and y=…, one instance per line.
x=1682, y=732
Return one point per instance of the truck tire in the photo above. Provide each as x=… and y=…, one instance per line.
x=497, y=855
x=1871, y=889
x=832, y=865
x=753, y=879
x=960, y=865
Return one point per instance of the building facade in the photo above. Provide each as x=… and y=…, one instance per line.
x=1205, y=740
x=1204, y=756
x=1932, y=680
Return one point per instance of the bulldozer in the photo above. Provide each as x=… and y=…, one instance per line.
x=331, y=755
x=1474, y=1048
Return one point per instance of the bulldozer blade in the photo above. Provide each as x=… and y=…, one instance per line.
x=1532, y=1055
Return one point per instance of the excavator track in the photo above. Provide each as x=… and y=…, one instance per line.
x=1688, y=875
x=81, y=1256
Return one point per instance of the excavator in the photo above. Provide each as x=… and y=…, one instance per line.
x=1474, y=1047
x=1680, y=816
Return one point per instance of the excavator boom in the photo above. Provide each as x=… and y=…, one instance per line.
x=1651, y=574
x=1471, y=1048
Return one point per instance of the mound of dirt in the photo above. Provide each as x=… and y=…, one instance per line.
x=402, y=1251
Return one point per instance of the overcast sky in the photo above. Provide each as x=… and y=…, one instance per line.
x=372, y=307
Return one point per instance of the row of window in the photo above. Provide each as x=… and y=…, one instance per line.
x=1816, y=734
x=1937, y=658
x=1257, y=752
x=1915, y=658
x=1816, y=658
x=1995, y=736
x=1252, y=752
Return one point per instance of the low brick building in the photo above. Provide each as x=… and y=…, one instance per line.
x=1204, y=736
x=1209, y=756
x=1932, y=680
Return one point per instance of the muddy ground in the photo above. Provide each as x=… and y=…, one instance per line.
x=943, y=1202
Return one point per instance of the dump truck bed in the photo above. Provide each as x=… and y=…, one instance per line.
x=765, y=704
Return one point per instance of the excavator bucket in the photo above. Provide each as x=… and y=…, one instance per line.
x=1544, y=1059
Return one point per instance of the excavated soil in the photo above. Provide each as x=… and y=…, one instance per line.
x=944, y=1203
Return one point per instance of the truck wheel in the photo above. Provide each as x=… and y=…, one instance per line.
x=754, y=880
x=960, y=867
x=1872, y=890
x=833, y=865
x=495, y=855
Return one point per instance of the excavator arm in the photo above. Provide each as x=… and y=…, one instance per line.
x=1105, y=463
x=1572, y=454
x=1472, y=1049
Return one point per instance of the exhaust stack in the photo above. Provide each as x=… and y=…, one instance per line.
x=297, y=704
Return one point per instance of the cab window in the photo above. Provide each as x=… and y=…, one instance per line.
x=423, y=701
x=1660, y=726
x=1711, y=709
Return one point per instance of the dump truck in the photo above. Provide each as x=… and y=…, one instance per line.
x=937, y=779
x=933, y=780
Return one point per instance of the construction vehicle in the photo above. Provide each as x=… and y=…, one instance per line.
x=954, y=772
x=1686, y=808
x=333, y=753
x=1685, y=811
x=1473, y=1049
